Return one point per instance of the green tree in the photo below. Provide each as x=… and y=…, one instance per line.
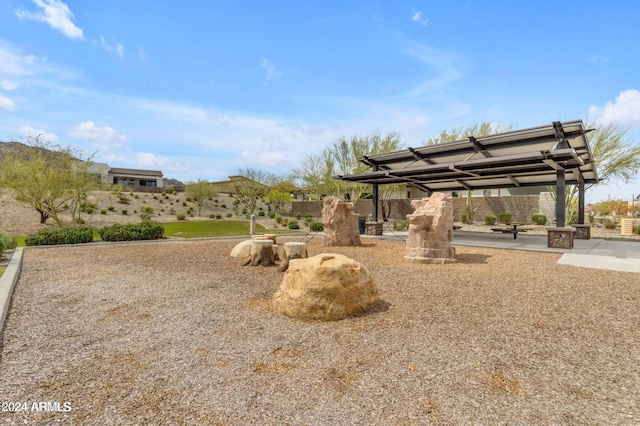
x=482, y=128
x=200, y=191
x=251, y=189
x=341, y=158
x=47, y=177
x=277, y=198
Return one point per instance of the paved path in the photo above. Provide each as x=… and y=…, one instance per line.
x=615, y=255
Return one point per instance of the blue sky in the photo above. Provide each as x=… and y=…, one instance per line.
x=201, y=89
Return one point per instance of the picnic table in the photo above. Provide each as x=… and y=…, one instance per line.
x=512, y=228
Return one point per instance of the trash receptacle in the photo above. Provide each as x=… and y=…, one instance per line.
x=361, y=222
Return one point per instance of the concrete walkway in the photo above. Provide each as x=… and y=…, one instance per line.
x=615, y=255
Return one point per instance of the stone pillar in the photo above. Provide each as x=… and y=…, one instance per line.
x=340, y=223
x=431, y=230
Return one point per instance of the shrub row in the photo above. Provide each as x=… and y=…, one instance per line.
x=145, y=230
x=71, y=235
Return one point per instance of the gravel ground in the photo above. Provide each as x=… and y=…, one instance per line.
x=176, y=332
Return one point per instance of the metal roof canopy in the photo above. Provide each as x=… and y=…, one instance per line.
x=519, y=158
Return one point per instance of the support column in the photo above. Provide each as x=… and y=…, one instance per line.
x=581, y=203
x=374, y=196
x=560, y=198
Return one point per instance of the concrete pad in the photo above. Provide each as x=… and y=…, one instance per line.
x=7, y=282
x=600, y=262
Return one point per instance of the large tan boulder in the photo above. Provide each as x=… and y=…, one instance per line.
x=431, y=230
x=327, y=287
x=241, y=250
x=340, y=223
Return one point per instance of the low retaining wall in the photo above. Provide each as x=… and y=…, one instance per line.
x=522, y=207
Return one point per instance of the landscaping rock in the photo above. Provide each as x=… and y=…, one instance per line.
x=242, y=250
x=340, y=223
x=326, y=287
x=431, y=230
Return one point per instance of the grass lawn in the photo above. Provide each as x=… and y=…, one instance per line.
x=2, y=268
x=208, y=228
x=201, y=229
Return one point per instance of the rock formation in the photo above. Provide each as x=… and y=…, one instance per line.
x=431, y=230
x=340, y=223
x=326, y=287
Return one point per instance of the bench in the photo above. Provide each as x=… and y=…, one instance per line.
x=514, y=229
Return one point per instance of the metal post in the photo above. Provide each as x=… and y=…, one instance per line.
x=581, y=203
x=374, y=195
x=560, y=198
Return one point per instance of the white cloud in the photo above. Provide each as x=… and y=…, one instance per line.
x=270, y=68
x=6, y=103
x=146, y=160
x=30, y=132
x=56, y=14
x=102, y=138
x=419, y=19
x=624, y=111
x=111, y=47
x=8, y=85
x=443, y=64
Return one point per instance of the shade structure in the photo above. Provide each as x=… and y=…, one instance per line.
x=519, y=158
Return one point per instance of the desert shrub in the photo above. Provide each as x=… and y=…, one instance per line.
x=111, y=208
x=307, y=221
x=155, y=197
x=610, y=225
x=463, y=218
x=124, y=211
x=70, y=235
x=401, y=225
x=308, y=216
x=236, y=202
x=211, y=216
x=278, y=218
x=123, y=199
x=539, y=219
x=244, y=211
x=229, y=214
x=636, y=229
x=316, y=226
x=224, y=206
x=7, y=242
x=293, y=224
x=272, y=215
x=261, y=213
x=188, y=199
x=297, y=215
x=505, y=216
x=145, y=230
x=180, y=216
x=184, y=204
x=146, y=212
x=490, y=219
x=103, y=211
x=218, y=216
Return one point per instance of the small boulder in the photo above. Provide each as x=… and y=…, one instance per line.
x=328, y=287
x=241, y=250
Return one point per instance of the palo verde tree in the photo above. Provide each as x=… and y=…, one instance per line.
x=49, y=178
x=279, y=192
x=249, y=187
x=341, y=158
x=479, y=129
x=200, y=191
x=616, y=158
